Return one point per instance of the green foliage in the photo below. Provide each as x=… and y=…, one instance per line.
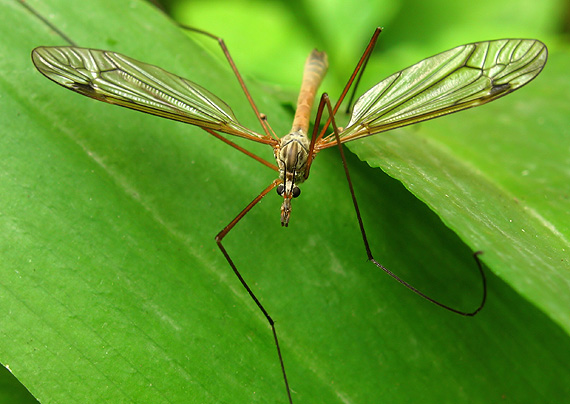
x=113, y=289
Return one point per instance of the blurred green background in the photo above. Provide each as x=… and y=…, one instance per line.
x=270, y=39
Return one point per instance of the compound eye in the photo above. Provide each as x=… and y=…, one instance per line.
x=280, y=189
x=296, y=192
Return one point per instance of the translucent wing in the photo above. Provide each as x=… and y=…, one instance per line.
x=460, y=78
x=118, y=79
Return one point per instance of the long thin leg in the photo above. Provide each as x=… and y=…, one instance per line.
x=357, y=82
x=261, y=117
x=48, y=23
x=230, y=61
x=325, y=100
x=219, y=239
x=363, y=60
x=234, y=68
x=316, y=139
x=312, y=151
x=241, y=149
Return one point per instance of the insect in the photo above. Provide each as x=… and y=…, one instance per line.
x=457, y=79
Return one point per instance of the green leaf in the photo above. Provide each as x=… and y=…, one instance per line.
x=113, y=289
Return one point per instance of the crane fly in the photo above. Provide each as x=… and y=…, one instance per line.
x=460, y=78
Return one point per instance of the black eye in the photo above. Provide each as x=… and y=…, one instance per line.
x=296, y=192
x=280, y=189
